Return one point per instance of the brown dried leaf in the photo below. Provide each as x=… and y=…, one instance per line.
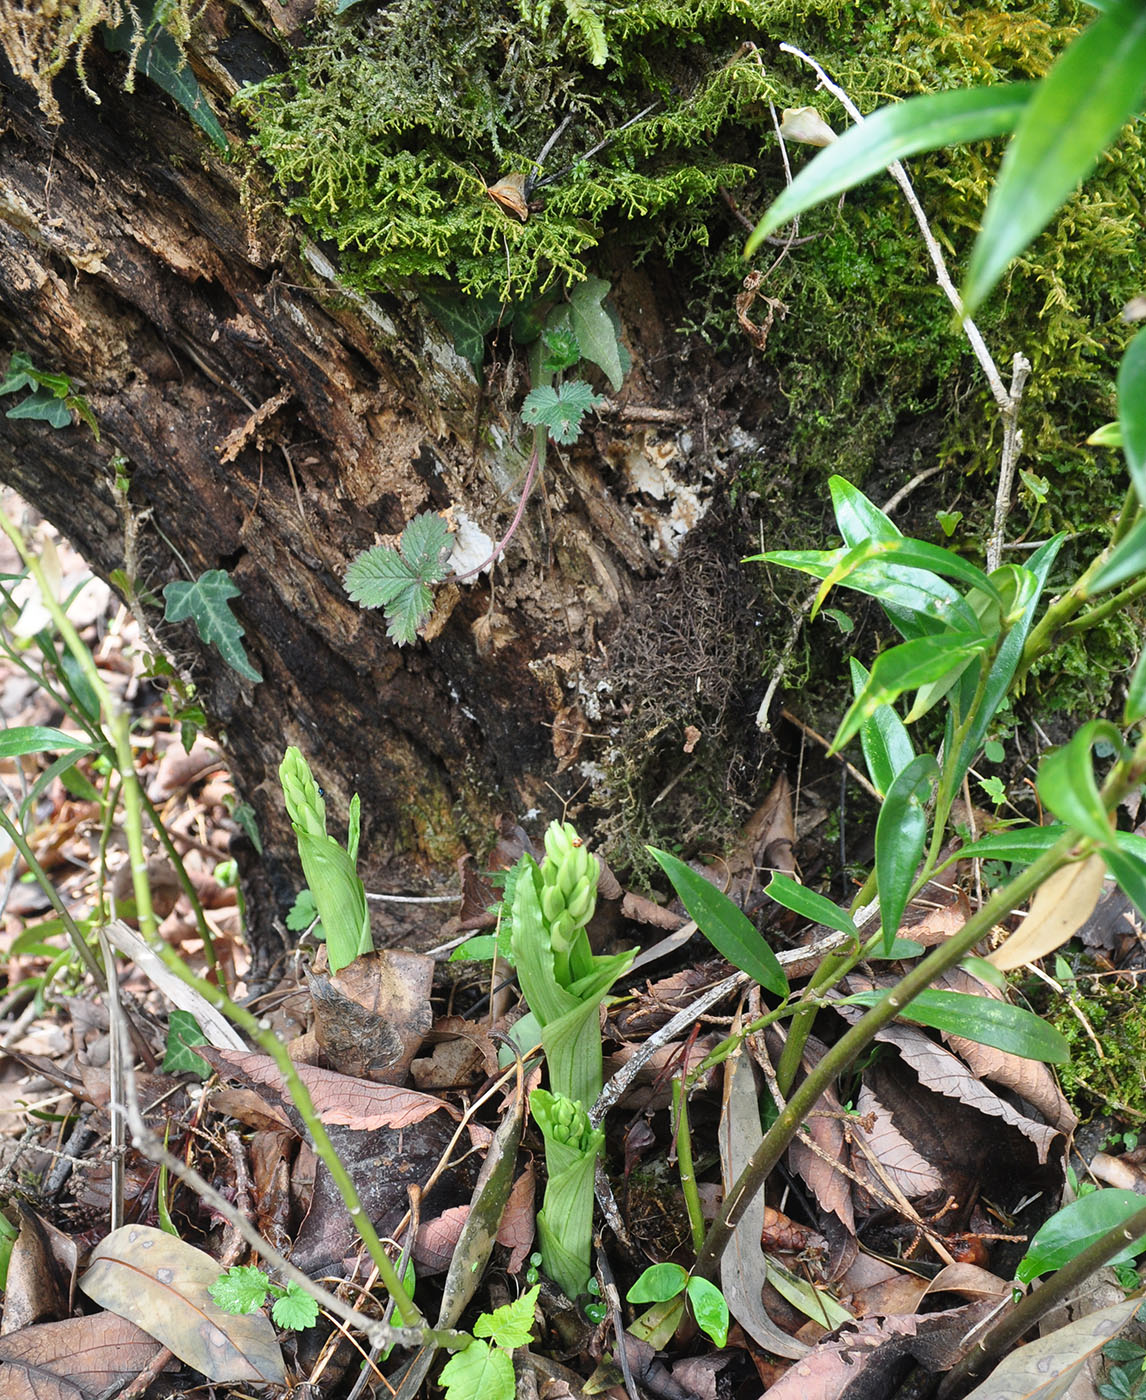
x=1030, y=1079
x=969, y=1280
x=338, y=1098
x=160, y=1283
x=436, y=1240
x=517, y=1222
x=372, y=1016
x=35, y=1290
x=80, y=1356
x=251, y=1108
x=179, y=769
x=901, y=1163
x=1062, y=904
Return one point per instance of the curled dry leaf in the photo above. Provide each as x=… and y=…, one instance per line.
x=78, y=1357
x=1062, y=904
x=338, y=1098
x=436, y=1240
x=160, y=1283
x=34, y=1286
x=969, y=1280
x=912, y=1173
x=372, y=1016
x=518, y=1223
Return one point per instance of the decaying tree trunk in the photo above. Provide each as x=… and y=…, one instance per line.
x=273, y=425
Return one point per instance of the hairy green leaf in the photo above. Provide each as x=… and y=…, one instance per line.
x=891, y=134
x=295, y=1308
x=242, y=1289
x=207, y=603
x=559, y=410
x=512, y=1324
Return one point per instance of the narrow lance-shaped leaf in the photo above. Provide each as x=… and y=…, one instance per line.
x=891, y=134
x=900, y=834
x=1132, y=411
x=1093, y=89
x=726, y=927
x=811, y=905
x=1067, y=785
x=906, y=667
x=984, y=1020
x=887, y=746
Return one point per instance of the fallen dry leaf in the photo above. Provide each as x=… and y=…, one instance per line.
x=1062, y=904
x=517, y=1222
x=80, y=1356
x=160, y=1283
x=436, y=1240
x=913, y=1174
x=338, y=1098
x=372, y=1016
x=34, y=1289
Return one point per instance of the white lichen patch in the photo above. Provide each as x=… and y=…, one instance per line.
x=472, y=545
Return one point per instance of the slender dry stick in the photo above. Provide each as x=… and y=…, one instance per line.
x=1007, y=401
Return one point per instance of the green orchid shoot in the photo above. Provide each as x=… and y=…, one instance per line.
x=565, y=1221
x=564, y=983
x=338, y=893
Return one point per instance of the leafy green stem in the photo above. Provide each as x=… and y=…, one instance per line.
x=848, y=1047
x=1101, y=611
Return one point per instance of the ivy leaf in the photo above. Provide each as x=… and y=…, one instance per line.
x=295, y=1309
x=467, y=319
x=398, y=580
x=559, y=410
x=206, y=602
x=479, y=1373
x=593, y=326
x=44, y=407
x=242, y=1289
x=183, y=1031
x=511, y=1325
x=302, y=912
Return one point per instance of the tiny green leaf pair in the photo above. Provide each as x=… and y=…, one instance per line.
x=660, y=1283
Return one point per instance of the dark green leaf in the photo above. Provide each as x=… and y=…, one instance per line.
x=887, y=746
x=381, y=578
x=900, y=833
x=43, y=406
x=1078, y=1225
x=182, y=1033
x=1092, y=90
x=658, y=1284
x=1127, y=863
x=594, y=329
x=467, y=319
x=161, y=61
x=1127, y=561
x=1067, y=785
x=1132, y=411
x=302, y=912
x=984, y=1020
x=206, y=602
x=811, y=905
x=725, y=926
x=21, y=374
x=425, y=542
x=891, y=134
x=38, y=738
x=1025, y=843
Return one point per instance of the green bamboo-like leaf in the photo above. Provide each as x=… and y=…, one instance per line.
x=1127, y=561
x=38, y=738
x=811, y=905
x=207, y=603
x=1132, y=411
x=891, y=134
x=900, y=833
x=1093, y=89
x=1025, y=843
x=1126, y=861
x=339, y=897
x=887, y=746
x=1135, y=708
x=1076, y=1226
x=725, y=926
x=906, y=667
x=985, y=1020
x=1066, y=782
x=1033, y=580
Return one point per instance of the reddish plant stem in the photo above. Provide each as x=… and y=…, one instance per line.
x=516, y=521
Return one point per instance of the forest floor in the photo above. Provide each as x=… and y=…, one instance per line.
x=891, y=1231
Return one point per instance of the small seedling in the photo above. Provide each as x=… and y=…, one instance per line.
x=484, y=1370
x=661, y=1283
x=244, y=1289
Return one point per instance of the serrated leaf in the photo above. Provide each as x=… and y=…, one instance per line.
x=183, y=1031
x=425, y=542
x=891, y=134
x=512, y=1324
x=302, y=912
x=594, y=329
x=295, y=1309
x=207, y=603
x=481, y=1372
x=381, y=578
x=559, y=410
x=1094, y=87
x=241, y=1290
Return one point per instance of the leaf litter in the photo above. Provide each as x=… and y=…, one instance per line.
x=840, y=1277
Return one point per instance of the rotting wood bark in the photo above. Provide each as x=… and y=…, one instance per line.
x=274, y=426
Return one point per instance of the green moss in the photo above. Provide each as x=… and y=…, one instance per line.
x=1106, y=1076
